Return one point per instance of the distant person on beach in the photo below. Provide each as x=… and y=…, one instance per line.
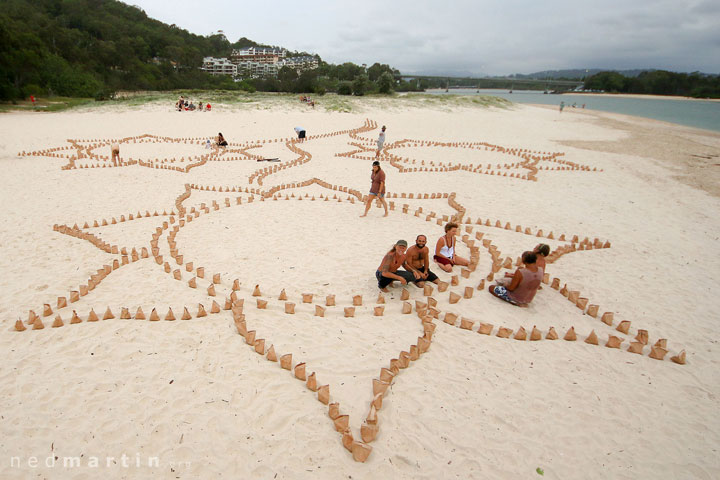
x=201, y=106
x=377, y=189
x=300, y=133
x=521, y=288
x=445, y=249
x=207, y=145
x=562, y=105
x=180, y=103
x=380, y=141
x=220, y=140
x=115, y=153
x=32, y=99
x=208, y=108
x=418, y=262
x=191, y=107
x=388, y=272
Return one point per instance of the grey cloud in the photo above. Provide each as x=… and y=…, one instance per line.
x=480, y=36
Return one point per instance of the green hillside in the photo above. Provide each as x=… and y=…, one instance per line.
x=89, y=48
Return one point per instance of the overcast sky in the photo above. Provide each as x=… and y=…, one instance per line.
x=469, y=37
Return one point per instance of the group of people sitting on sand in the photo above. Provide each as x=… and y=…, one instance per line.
x=517, y=288
x=184, y=104
x=308, y=100
x=415, y=260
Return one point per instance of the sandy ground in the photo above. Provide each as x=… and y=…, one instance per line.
x=126, y=398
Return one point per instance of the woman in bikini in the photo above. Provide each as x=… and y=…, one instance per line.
x=445, y=250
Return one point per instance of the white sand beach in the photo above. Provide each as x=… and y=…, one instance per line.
x=132, y=398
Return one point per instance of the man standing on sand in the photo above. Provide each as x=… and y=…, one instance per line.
x=418, y=262
x=300, y=133
x=115, y=152
x=380, y=141
x=388, y=272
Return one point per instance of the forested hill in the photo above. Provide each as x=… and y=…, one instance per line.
x=91, y=47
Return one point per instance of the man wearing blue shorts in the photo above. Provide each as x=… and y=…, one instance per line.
x=377, y=189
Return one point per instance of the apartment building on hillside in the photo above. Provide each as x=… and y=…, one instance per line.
x=219, y=66
x=258, y=62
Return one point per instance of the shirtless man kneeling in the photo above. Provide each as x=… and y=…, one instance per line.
x=418, y=261
x=388, y=272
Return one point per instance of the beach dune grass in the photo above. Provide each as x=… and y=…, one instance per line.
x=265, y=100
x=47, y=104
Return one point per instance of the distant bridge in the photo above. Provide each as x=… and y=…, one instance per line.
x=478, y=82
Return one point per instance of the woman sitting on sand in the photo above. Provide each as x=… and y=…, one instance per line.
x=445, y=250
x=523, y=284
x=541, y=250
x=220, y=140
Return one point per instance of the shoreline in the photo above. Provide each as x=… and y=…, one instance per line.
x=627, y=118
x=692, y=150
x=599, y=94
x=643, y=95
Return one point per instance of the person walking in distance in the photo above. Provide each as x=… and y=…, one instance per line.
x=380, y=141
x=377, y=188
x=115, y=153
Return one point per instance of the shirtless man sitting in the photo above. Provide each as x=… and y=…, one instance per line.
x=388, y=272
x=418, y=262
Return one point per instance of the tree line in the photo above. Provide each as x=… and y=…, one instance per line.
x=657, y=82
x=93, y=48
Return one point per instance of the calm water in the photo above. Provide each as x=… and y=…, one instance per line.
x=693, y=113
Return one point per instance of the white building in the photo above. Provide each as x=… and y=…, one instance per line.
x=249, y=69
x=258, y=62
x=300, y=64
x=257, y=54
x=219, y=66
